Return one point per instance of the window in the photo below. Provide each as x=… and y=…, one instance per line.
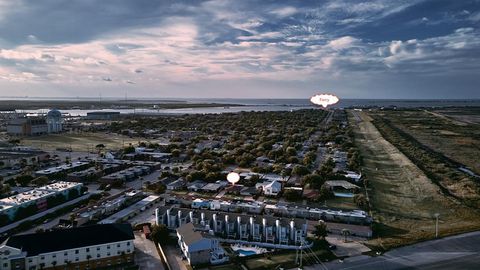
x=98, y=255
x=42, y=258
x=65, y=253
x=118, y=245
x=5, y=265
x=108, y=254
x=108, y=247
x=77, y=259
x=87, y=249
x=98, y=248
x=54, y=255
x=30, y=260
x=76, y=251
x=128, y=243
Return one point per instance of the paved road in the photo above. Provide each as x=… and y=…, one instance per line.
x=455, y=252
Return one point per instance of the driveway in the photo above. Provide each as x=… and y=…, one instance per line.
x=146, y=254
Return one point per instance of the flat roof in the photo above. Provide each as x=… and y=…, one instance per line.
x=127, y=211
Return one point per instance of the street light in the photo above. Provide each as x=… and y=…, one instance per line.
x=436, y=215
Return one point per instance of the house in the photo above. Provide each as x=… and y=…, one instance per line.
x=342, y=188
x=272, y=188
x=177, y=184
x=95, y=246
x=199, y=248
x=196, y=185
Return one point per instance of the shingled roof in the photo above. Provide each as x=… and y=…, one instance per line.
x=38, y=243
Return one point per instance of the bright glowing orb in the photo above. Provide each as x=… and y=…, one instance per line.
x=324, y=100
x=233, y=177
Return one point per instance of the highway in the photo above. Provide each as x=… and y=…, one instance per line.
x=454, y=252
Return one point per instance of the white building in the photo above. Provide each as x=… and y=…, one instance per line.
x=289, y=232
x=199, y=248
x=272, y=188
x=54, y=121
x=96, y=246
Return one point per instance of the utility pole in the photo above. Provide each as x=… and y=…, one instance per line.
x=436, y=215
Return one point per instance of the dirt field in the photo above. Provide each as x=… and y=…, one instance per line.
x=403, y=199
x=79, y=141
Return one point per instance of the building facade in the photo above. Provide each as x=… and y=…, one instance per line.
x=198, y=247
x=54, y=121
x=88, y=247
x=27, y=126
x=235, y=226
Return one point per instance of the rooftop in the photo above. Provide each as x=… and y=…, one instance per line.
x=38, y=243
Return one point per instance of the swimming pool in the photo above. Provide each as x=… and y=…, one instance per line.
x=244, y=253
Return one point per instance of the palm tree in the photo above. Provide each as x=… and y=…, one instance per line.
x=320, y=229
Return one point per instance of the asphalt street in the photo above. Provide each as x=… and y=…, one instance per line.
x=455, y=252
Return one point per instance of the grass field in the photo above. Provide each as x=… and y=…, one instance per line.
x=78, y=141
x=446, y=132
x=403, y=199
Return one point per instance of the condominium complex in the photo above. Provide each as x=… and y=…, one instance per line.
x=235, y=226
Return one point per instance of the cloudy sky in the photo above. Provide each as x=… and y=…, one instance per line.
x=233, y=48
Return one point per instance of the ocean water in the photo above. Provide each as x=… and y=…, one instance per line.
x=265, y=105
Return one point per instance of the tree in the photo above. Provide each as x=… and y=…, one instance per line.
x=100, y=147
x=160, y=234
x=326, y=193
x=40, y=181
x=129, y=149
x=292, y=195
x=360, y=200
x=320, y=230
x=300, y=170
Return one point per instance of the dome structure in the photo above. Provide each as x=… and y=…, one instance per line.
x=54, y=114
x=54, y=121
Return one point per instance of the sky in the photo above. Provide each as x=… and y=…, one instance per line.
x=415, y=49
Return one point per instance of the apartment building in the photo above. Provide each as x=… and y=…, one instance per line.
x=80, y=248
x=235, y=226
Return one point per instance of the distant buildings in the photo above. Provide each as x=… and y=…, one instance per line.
x=54, y=121
x=31, y=126
x=102, y=115
x=89, y=247
x=27, y=126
